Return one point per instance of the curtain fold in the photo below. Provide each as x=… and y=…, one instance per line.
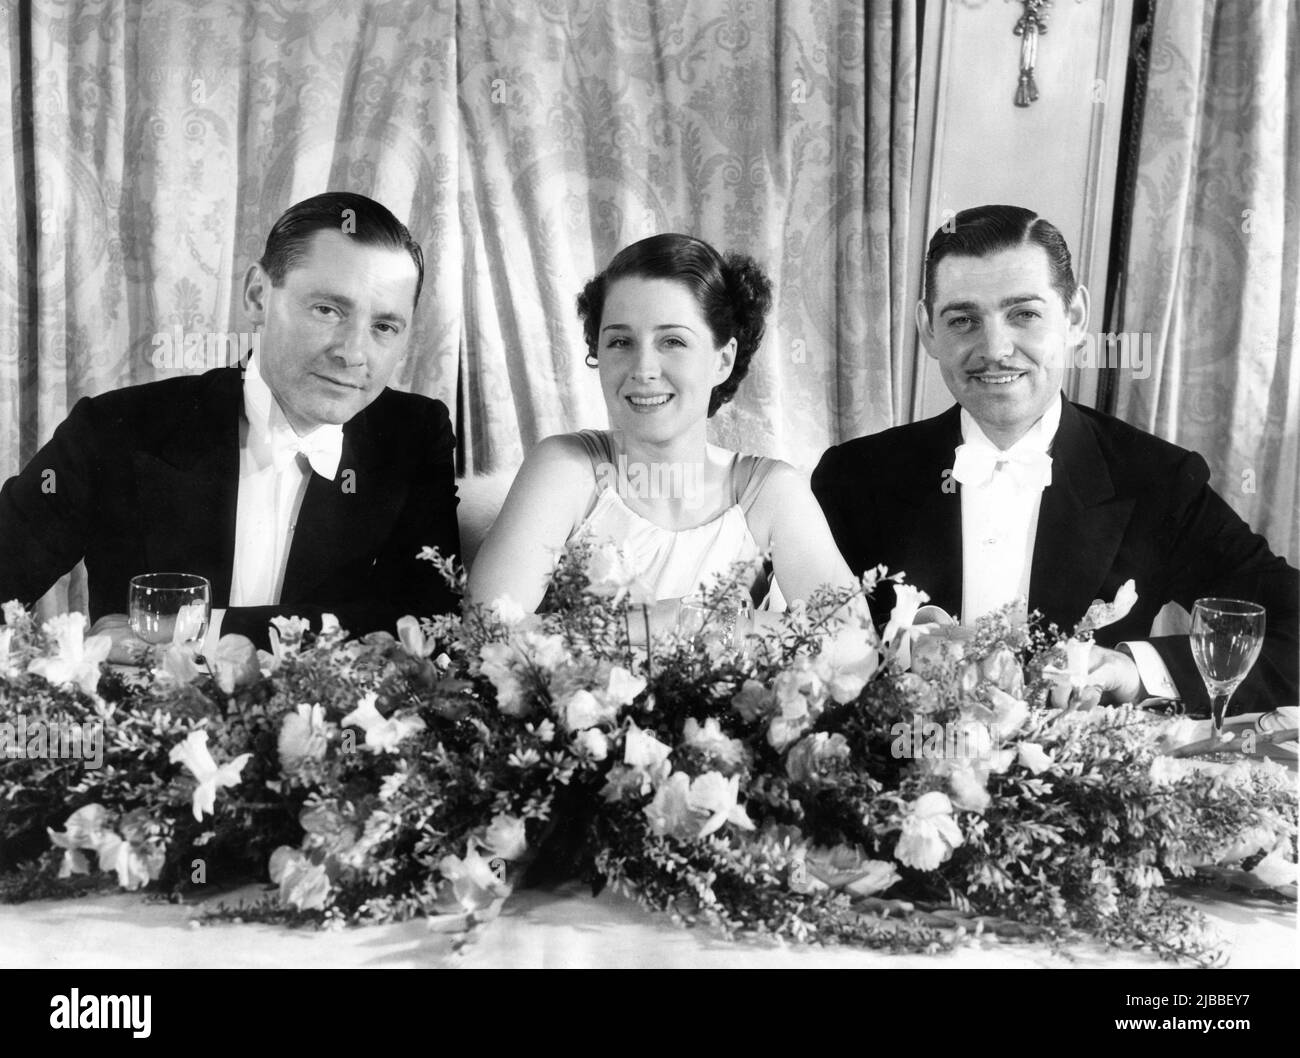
x=523, y=143
x=1213, y=261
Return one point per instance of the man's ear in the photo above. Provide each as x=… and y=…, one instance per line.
x=924, y=327
x=726, y=360
x=256, y=285
x=1076, y=315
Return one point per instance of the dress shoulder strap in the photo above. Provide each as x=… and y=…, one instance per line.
x=599, y=446
x=751, y=474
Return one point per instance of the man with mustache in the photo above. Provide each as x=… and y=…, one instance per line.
x=1016, y=492
x=296, y=483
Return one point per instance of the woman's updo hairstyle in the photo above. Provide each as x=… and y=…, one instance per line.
x=733, y=294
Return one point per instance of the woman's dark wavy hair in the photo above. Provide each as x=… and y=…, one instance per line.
x=732, y=292
x=368, y=222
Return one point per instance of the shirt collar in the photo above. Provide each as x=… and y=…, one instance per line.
x=1038, y=438
x=265, y=417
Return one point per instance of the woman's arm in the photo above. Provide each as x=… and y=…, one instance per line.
x=804, y=555
x=548, y=499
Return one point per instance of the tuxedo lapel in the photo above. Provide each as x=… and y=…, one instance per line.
x=341, y=521
x=930, y=531
x=1080, y=525
x=188, y=485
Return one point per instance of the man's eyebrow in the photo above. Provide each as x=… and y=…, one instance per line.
x=1005, y=303
x=348, y=303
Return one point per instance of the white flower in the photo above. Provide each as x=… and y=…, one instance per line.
x=507, y=611
x=6, y=638
x=505, y=837
x=968, y=788
x=546, y=652
x=1166, y=771
x=194, y=754
x=476, y=885
x=286, y=634
x=134, y=867
x=304, y=735
x=303, y=884
x=583, y=710
x=86, y=828
x=623, y=686
x=179, y=666
x=234, y=663
x=391, y=784
x=496, y=662
x=1009, y=714
x=593, y=743
x=847, y=867
x=1100, y=614
x=329, y=626
x=907, y=600
x=76, y=659
x=613, y=571
x=710, y=740
x=710, y=793
x=411, y=635
x=382, y=733
x=190, y=619
x=849, y=658
x=646, y=756
x=669, y=813
x=929, y=833
x=1032, y=756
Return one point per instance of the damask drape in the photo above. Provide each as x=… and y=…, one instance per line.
x=1214, y=257
x=153, y=142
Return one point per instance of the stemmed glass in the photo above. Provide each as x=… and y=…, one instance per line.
x=1226, y=638
x=729, y=622
x=170, y=607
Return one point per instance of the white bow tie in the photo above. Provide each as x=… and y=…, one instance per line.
x=976, y=465
x=322, y=447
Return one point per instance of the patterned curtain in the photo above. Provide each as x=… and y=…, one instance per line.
x=153, y=142
x=780, y=130
x=1214, y=257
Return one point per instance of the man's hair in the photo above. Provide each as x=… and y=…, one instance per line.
x=985, y=230
x=354, y=215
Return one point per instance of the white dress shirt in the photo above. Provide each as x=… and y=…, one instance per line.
x=1000, y=498
x=275, y=465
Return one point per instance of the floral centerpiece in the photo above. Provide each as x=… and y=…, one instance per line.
x=815, y=780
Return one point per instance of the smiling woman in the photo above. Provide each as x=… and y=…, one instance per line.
x=671, y=325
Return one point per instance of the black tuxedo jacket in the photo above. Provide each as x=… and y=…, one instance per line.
x=1121, y=504
x=146, y=479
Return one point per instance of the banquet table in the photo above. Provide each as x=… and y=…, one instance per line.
x=559, y=927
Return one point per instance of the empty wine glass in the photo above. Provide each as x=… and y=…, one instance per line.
x=170, y=607
x=1226, y=638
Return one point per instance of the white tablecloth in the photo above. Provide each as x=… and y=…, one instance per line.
x=561, y=928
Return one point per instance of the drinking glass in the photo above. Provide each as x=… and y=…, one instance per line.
x=729, y=622
x=170, y=607
x=1226, y=638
